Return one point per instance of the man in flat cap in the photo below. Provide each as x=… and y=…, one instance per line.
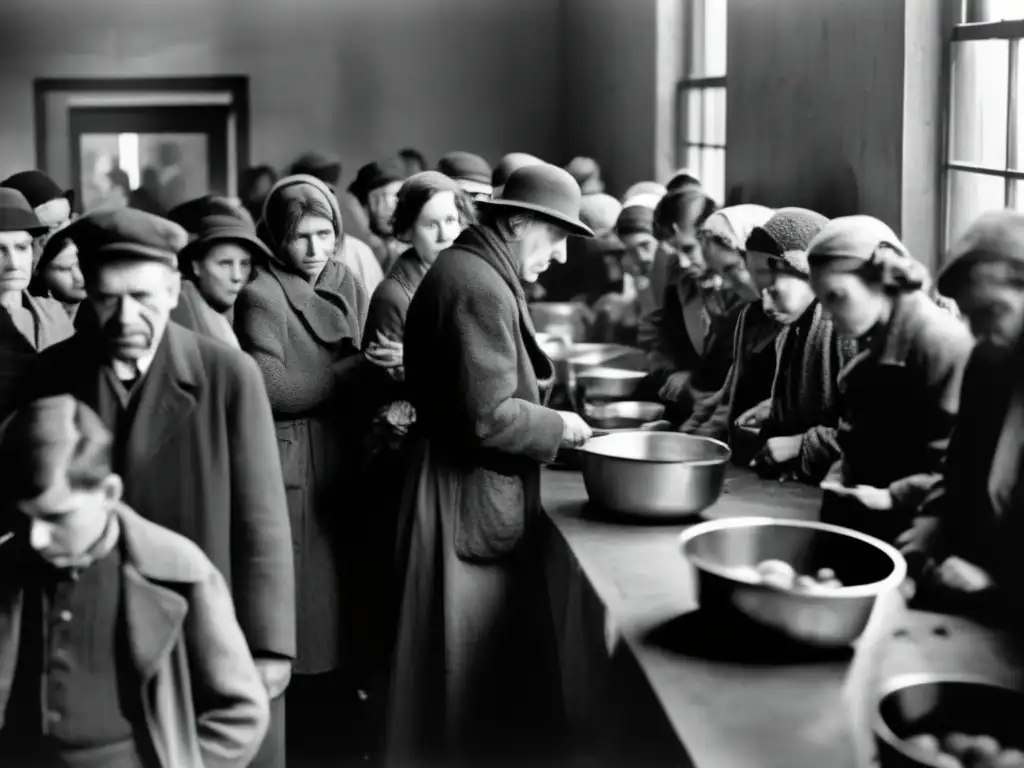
x=193, y=432
x=119, y=645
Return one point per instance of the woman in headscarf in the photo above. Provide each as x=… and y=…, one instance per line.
x=58, y=275
x=737, y=314
x=901, y=392
x=432, y=211
x=301, y=318
x=216, y=265
x=798, y=435
x=470, y=684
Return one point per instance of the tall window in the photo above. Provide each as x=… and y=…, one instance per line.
x=985, y=148
x=700, y=98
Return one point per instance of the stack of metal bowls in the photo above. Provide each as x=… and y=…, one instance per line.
x=944, y=709
x=867, y=567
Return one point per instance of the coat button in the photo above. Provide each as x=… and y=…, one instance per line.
x=65, y=616
x=53, y=717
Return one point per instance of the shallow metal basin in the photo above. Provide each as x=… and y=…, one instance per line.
x=911, y=705
x=565, y=319
x=654, y=474
x=606, y=383
x=867, y=566
x=622, y=415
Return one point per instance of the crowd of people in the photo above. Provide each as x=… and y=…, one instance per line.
x=272, y=464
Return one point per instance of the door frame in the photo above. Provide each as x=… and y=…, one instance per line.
x=231, y=91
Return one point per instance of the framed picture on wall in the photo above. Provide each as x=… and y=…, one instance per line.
x=149, y=143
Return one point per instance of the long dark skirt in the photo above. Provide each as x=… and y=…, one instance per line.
x=474, y=679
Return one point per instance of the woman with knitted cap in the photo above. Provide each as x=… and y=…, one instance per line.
x=902, y=390
x=301, y=318
x=798, y=434
x=750, y=361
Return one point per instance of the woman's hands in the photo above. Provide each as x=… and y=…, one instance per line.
x=387, y=353
x=674, y=387
x=869, y=497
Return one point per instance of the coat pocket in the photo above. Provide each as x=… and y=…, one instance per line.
x=293, y=446
x=491, y=515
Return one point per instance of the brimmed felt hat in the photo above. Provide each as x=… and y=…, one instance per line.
x=38, y=188
x=471, y=171
x=511, y=163
x=546, y=190
x=374, y=176
x=325, y=167
x=220, y=222
x=587, y=173
x=126, y=234
x=16, y=214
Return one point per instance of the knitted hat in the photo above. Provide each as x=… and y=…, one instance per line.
x=471, y=171
x=587, y=173
x=731, y=226
x=374, y=176
x=16, y=214
x=220, y=222
x=509, y=164
x=995, y=237
x=600, y=212
x=38, y=188
x=635, y=219
x=787, y=236
x=645, y=188
x=125, y=234
x=325, y=167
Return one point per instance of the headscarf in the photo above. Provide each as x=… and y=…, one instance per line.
x=995, y=237
x=645, y=188
x=732, y=226
x=277, y=211
x=644, y=200
x=600, y=212
x=851, y=243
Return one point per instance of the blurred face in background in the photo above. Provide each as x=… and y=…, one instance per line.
x=641, y=248
x=785, y=297
x=731, y=265
x=132, y=303
x=855, y=306
x=16, y=260
x=687, y=249
x=63, y=276
x=380, y=204
x=992, y=301
x=436, y=227
x=311, y=245
x=222, y=273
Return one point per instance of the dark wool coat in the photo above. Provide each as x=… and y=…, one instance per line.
x=200, y=458
x=900, y=398
x=16, y=353
x=472, y=363
x=305, y=339
x=204, y=703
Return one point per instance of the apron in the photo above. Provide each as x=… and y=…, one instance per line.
x=901, y=640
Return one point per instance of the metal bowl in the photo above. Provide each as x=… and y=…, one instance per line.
x=623, y=415
x=911, y=705
x=654, y=474
x=867, y=566
x=566, y=319
x=601, y=383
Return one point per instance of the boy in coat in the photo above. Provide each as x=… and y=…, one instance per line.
x=119, y=646
x=193, y=433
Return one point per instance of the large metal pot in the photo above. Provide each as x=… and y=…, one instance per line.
x=623, y=415
x=867, y=566
x=605, y=383
x=912, y=705
x=654, y=474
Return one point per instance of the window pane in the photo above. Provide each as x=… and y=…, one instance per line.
x=710, y=166
x=694, y=117
x=694, y=158
x=992, y=10
x=714, y=116
x=979, y=99
x=970, y=195
x=714, y=37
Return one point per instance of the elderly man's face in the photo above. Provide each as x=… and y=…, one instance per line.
x=541, y=244
x=132, y=302
x=16, y=258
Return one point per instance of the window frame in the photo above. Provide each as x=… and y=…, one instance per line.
x=1012, y=31
x=695, y=55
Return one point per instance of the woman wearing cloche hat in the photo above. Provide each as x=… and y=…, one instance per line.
x=474, y=485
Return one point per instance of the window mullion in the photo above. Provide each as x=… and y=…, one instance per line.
x=1011, y=122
